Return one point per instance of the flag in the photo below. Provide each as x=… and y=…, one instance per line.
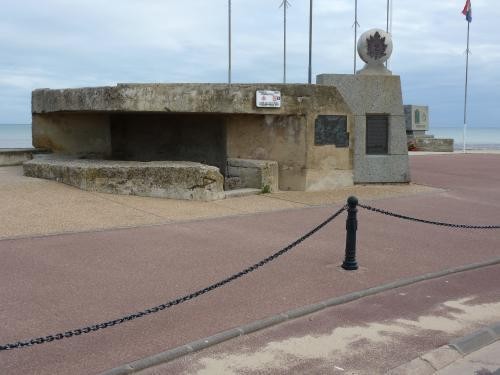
x=467, y=12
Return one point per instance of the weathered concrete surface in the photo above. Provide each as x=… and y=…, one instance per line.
x=198, y=122
x=280, y=138
x=176, y=180
x=377, y=94
x=432, y=144
x=15, y=156
x=259, y=174
x=483, y=362
x=73, y=133
x=186, y=98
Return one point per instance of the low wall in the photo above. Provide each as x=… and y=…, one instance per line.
x=16, y=156
x=433, y=144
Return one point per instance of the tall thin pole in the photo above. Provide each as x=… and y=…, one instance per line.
x=229, y=42
x=310, y=40
x=387, y=24
x=390, y=24
x=284, y=41
x=467, y=52
x=387, y=20
x=285, y=4
x=356, y=25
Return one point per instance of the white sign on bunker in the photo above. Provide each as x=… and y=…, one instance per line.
x=268, y=99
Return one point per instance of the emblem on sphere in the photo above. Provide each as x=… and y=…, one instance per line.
x=376, y=46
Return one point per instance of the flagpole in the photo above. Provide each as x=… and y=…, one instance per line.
x=387, y=20
x=390, y=25
x=309, y=80
x=285, y=2
x=229, y=42
x=356, y=24
x=284, y=42
x=467, y=52
x=387, y=26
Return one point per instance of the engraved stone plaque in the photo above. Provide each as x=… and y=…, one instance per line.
x=331, y=130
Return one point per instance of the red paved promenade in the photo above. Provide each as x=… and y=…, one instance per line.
x=55, y=283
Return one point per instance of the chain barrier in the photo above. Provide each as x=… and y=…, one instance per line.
x=399, y=216
x=152, y=310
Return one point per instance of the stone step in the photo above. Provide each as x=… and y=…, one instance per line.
x=242, y=192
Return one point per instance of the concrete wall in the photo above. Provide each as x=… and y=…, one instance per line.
x=72, y=133
x=378, y=94
x=328, y=166
x=267, y=137
x=9, y=157
x=433, y=144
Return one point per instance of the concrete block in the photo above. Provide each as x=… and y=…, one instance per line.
x=473, y=342
x=236, y=193
x=496, y=330
x=257, y=174
x=381, y=169
x=367, y=94
x=176, y=180
x=186, y=98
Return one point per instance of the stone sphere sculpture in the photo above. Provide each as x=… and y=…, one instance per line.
x=375, y=48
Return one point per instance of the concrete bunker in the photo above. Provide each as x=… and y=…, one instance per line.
x=194, y=141
x=305, y=144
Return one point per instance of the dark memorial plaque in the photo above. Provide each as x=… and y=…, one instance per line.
x=377, y=134
x=331, y=130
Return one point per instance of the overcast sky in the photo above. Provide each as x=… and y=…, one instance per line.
x=73, y=43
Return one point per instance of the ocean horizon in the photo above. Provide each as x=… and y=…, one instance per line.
x=478, y=138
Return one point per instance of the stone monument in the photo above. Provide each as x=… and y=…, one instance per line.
x=417, y=124
x=374, y=96
x=375, y=48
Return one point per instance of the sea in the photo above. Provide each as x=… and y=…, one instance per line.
x=478, y=138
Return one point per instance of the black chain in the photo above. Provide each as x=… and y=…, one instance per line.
x=96, y=327
x=388, y=213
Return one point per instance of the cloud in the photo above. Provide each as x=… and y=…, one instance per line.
x=71, y=43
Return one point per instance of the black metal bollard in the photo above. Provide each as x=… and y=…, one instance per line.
x=350, y=262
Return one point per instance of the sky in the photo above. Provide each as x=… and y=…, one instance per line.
x=77, y=43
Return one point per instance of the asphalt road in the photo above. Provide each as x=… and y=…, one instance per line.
x=55, y=283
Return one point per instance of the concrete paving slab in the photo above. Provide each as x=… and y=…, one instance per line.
x=441, y=357
x=473, y=342
x=483, y=362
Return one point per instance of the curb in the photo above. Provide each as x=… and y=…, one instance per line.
x=445, y=355
x=220, y=337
